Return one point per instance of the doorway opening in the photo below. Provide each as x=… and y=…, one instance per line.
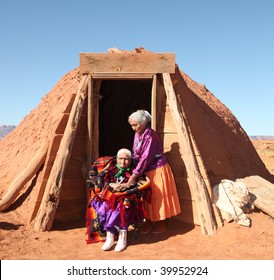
x=120, y=98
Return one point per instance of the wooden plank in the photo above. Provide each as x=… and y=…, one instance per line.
x=82, y=129
x=62, y=124
x=28, y=173
x=153, y=102
x=197, y=183
x=70, y=210
x=80, y=147
x=204, y=174
x=95, y=130
x=73, y=189
x=74, y=167
x=122, y=76
x=261, y=193
x=167, y=125
x=127, y=62
x=69, y=105
x=90, y=116
x=50, y=201
x=171, y=143
x=161, y=107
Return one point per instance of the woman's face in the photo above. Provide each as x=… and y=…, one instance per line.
x=137, y=127
x=123, y=160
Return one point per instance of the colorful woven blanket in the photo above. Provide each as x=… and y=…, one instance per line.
x=100, y=190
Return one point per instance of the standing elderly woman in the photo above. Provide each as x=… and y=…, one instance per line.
x=149, y=159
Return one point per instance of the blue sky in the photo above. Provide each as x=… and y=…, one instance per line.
x=226, y=45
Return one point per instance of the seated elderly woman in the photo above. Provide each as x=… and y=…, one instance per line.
x=114, y=204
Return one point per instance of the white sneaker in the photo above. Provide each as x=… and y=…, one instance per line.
x=122, y=241
x=109, y=241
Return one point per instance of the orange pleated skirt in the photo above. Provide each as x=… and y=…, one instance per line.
x=164, y=202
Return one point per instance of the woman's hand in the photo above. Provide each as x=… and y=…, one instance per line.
x=118, y=187
x=132, y=180
x=115, y=186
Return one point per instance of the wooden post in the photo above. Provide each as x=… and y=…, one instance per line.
x=50, y=200
x=95, y=130
x=202, y=168
x=19, y=182
x=197, y=182
x=153, y=103
x=90, y=113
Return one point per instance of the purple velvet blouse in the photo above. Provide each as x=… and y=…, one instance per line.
x=147, y=151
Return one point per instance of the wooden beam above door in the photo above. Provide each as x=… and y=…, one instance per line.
x=126, y=64
x=121, y=76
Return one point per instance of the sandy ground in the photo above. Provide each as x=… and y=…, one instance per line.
x=180, y=241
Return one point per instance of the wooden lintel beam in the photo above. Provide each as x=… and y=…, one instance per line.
x=127, y=62
x=121, y=76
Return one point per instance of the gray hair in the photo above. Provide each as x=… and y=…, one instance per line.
x=126, y=151
x=141, y=117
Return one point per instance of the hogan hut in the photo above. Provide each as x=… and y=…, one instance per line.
x=44, y=160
